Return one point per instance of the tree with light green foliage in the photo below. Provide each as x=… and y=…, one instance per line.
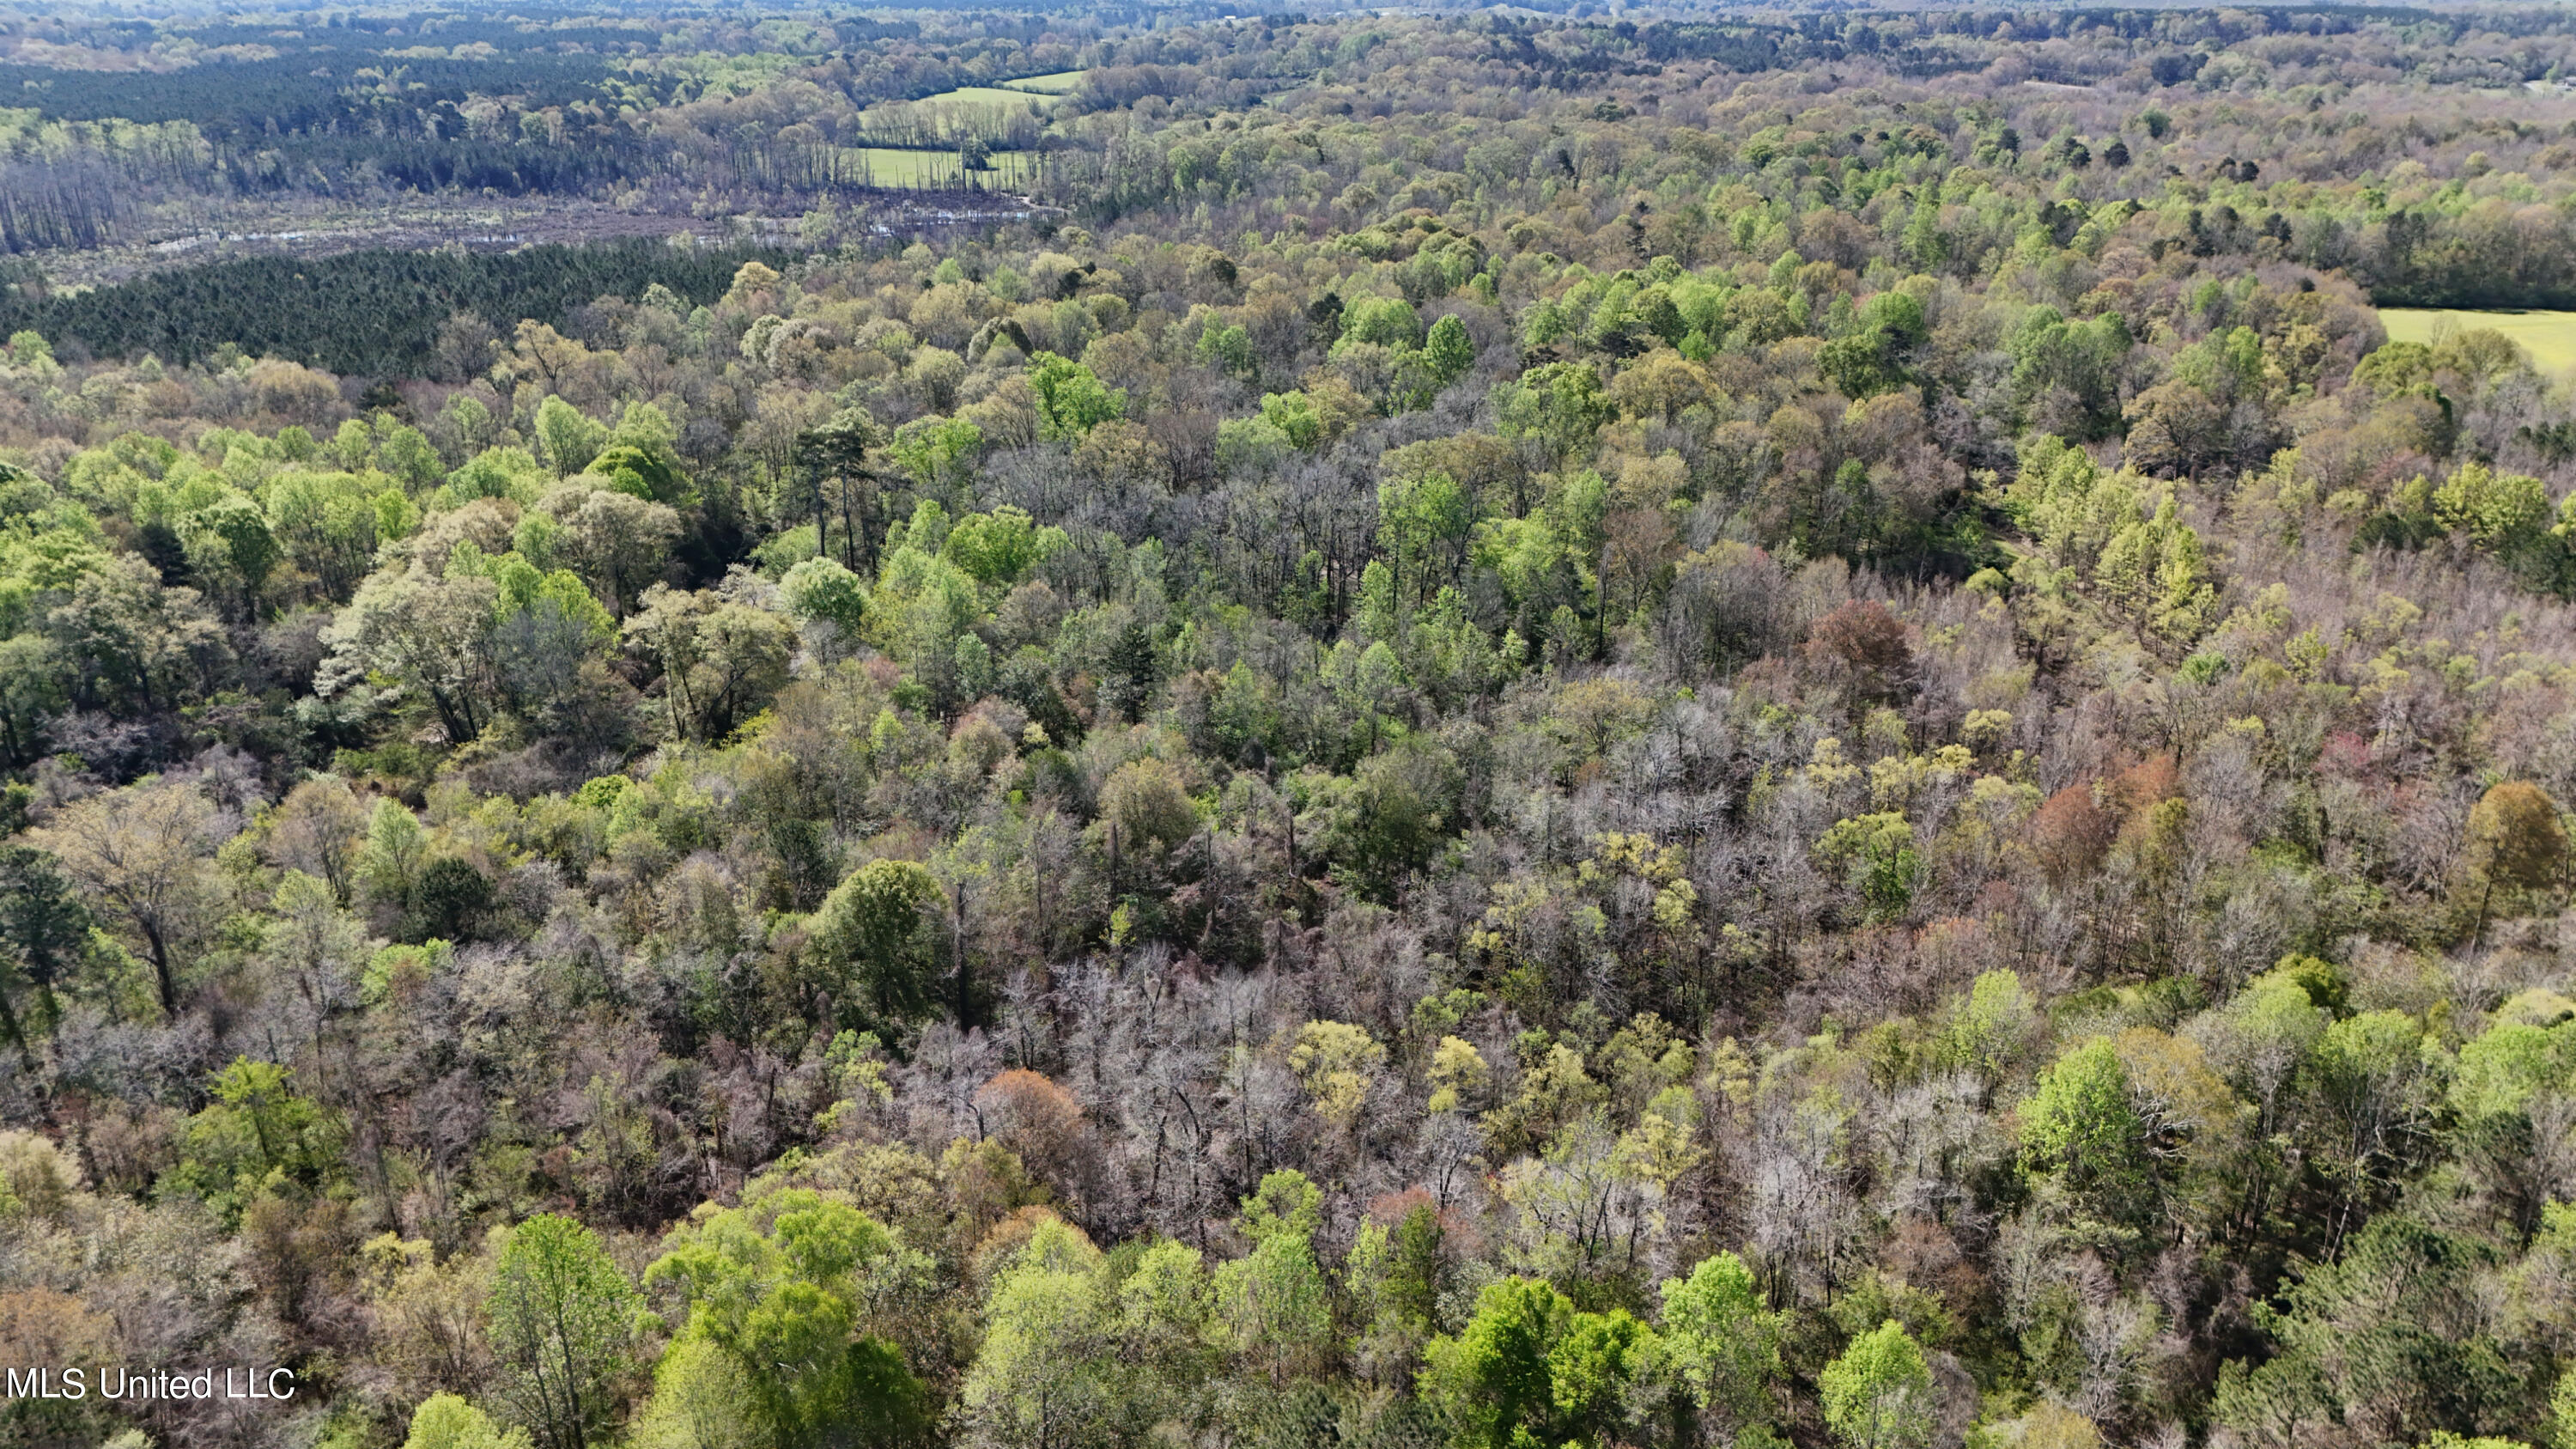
x=1381, y=321
x=2082, y=1130
x=563, y=1324
x=570, y=437
x=1871, y=357
x=648, y=473
x=1295, y=416
x=231, y=550
x=701, y=1400
x=1228, y=348
x=1530, y=1369
x=2507, y=515
x=1447, y=352
x=1425, y=523
x=258, y=1135
x=1166, y=1310
x=1561, y=404
x=1724, y=1339
x=1491, y=1381
x=782, y=1288
x=1072, y=400
x=999, y=548
x=935, y=450
x=820, y=589
x=2154, y=573
x=1046, y=1374
x=1992, y=1025
x=444, y=1421
x=1274, y=1305
x=1878, y=1393
x=870, y=944
x=1876, y=854
x=498, y=472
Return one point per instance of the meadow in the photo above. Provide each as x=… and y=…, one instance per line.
x=1014, y=95
x=2550, y=337
x=1061, y=83
x=1000, y=118
x=902, y=168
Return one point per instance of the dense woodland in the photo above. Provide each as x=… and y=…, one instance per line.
x=377, y=312
x=1595, y=734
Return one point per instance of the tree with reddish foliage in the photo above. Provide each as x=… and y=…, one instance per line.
x=2070, y=833
x=1039, y=1121
x=1866, y=639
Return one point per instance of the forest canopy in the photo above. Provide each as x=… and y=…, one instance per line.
x=1475, y=731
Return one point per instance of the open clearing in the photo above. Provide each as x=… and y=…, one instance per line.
x=886, y=166
x=991, y=114
x=988, y=96
x=1062, y=83
x=2550, y=337
x=1016, y=98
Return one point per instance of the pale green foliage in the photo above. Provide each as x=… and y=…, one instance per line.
x=1294, y=416
x=1992, y=1023
x=1045, y=1374
x=1275, y=1307
x=821, y=589
x=1723, y=1338
x=1878, y=1394
x=2119, y=534
x=2562, y=1409
x=444, y=1421
x=397, y=849
x=2501, y=512
x=1000, y=547
x=2153, y=573
x=1529, y=1368
x=2509, y=1064
x=935, y=449
x=1072, y=400
x=782, y=1288
x=870, y=944
x=1288, y=1204
x=701, y=1400
x=1338, y=1063
x=570, y=437
x=562, y=1322
x=2081, y=1126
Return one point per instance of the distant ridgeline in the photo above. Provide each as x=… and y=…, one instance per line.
x=372, y=313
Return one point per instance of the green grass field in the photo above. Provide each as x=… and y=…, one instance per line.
x=1062, y=83
x=889, y=167
x=990, y=111
x=1011, y=98
x=2550, y=337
